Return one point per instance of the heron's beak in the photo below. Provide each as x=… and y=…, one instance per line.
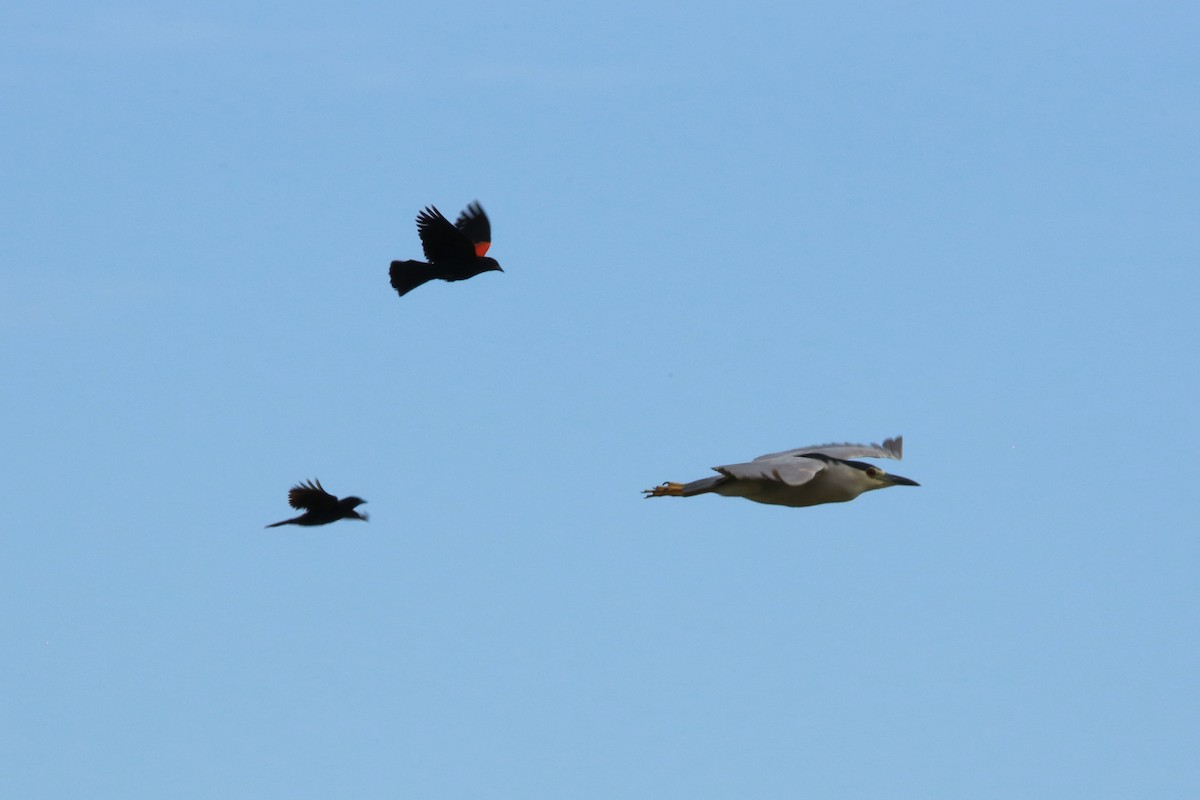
x=896, y=480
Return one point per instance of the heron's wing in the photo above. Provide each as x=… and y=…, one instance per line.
x=792, y=470
x=891, y=448
x=474, y=223
x=441, y=241
x=311, y=496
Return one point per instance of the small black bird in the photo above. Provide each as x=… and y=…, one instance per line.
x=455, y=252
x=320, y=507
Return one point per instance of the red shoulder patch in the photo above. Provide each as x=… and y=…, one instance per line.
x=481, y=248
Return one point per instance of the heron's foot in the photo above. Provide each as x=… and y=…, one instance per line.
x=669, y=489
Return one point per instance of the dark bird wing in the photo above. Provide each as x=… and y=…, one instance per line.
x=311, y=496
x=474, y=223
x=441, y=241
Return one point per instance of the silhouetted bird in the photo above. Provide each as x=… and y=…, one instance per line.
x=319, y=506
x=455, y=252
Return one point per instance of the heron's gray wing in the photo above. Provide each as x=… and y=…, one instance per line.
x=792, y=470
x=891, y=448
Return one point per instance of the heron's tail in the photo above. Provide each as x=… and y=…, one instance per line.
x=672, y=489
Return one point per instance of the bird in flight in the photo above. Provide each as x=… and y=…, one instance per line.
x=319, y=506
x=807, y=476
x=454, y=252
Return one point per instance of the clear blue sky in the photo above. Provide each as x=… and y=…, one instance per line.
x=727, y=229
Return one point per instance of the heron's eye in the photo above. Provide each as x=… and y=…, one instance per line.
x=874, y=473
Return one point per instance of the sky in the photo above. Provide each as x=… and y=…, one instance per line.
x=726, y=230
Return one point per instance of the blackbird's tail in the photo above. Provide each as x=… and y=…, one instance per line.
x=408, y=275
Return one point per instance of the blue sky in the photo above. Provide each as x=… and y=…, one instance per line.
x=726, y=230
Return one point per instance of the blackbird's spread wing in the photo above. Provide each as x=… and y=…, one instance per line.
x=442, y=242
x=311, y=496
x=474, y=223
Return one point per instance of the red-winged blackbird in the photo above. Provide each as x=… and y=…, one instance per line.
x=455, y=252
x=319, y=506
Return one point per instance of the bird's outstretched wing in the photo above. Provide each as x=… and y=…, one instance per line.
x=792, y=471
x=441, y=241
x=891, y=448
x=311, y=496
x=474, y=223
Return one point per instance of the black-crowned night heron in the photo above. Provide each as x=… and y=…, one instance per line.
x=807, y=476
